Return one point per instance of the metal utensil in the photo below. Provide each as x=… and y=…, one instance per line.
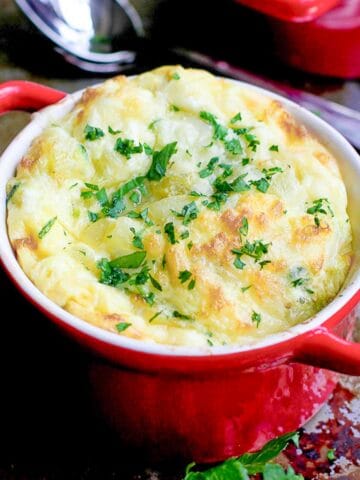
x=90, y=34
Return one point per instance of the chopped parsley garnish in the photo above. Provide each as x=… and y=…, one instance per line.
x=120, y=327
x=155, y=316
x=153, y=123
x=263, y=183
x=147, y=149
x=206, y=172
x=137, y=242
x=101, y=197
x=220, y=133
x=245, y=161
x=46, y=228
x=274, y=148
x=175, y=76
x=84, y=151
x=298, y=278
x=190, y=245
x=191, y=284
x=236, y=118
x=93, y=133
x=135, y=197
x=185, y=234
x=256, y=318
x=93, y=217
x=160, y=160
x=170, y=232
x=73, y=185
x=93, y=187
x=233, y=146
x=174, y=108
x=143, y=215
x=320, y=206
x=155, y=283
x=127, y=147
x=188, y=213
x=148, y=297
x=244, y=227
x=133, y=260
x=163, y=262
x=251, y=139
x=244, y=289
x=113, y=132
x=12, y=192
x=184, y=276
x=181, y=316
x=255, y=250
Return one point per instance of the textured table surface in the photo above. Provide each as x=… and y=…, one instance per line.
x=48, y=428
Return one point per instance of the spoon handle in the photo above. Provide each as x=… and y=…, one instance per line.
x=346, y=120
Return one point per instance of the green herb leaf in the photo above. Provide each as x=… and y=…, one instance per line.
x=101, y=197
x=274, y=148
x=177, y=314
x=120, y=327
x=170, y=232
x=175, y=76
x=46, y=228
x=160, y=162
x=206, y=172
x=137, y=242
x=250, y=464
x=236, y=118
x=188, y=213
x=174, y=108
x=233, y=146
x=155, y=283
x=93, y=217
x=191, y=284
x=272, y=471
x=320, y=206
x=256, y=318
x=153, y=123
x=147, y=149
x=133, y=260
x=184, y=276
x=127, y=147
x=93, y=133
x=331, y=455
x=12, y=192
x=155, y=316
x=244, y=227
x=185, y=235
x=113, y=132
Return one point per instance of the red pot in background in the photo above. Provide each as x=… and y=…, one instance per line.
x=185, y=403
x=329, y=45
x=291, y=10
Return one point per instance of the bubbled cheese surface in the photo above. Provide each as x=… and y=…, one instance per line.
x=191, y=292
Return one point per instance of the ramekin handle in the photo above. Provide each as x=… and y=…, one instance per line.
x=29, y=96
x=324, y=349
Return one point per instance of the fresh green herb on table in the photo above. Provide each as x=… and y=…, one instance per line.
x=260, y=462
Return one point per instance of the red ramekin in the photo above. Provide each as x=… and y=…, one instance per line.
x=204, y=404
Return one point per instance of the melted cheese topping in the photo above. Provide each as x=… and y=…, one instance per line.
x=298, y=257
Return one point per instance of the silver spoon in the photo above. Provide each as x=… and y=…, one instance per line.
x=89, y=34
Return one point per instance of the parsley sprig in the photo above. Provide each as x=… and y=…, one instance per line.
x=260, y=462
